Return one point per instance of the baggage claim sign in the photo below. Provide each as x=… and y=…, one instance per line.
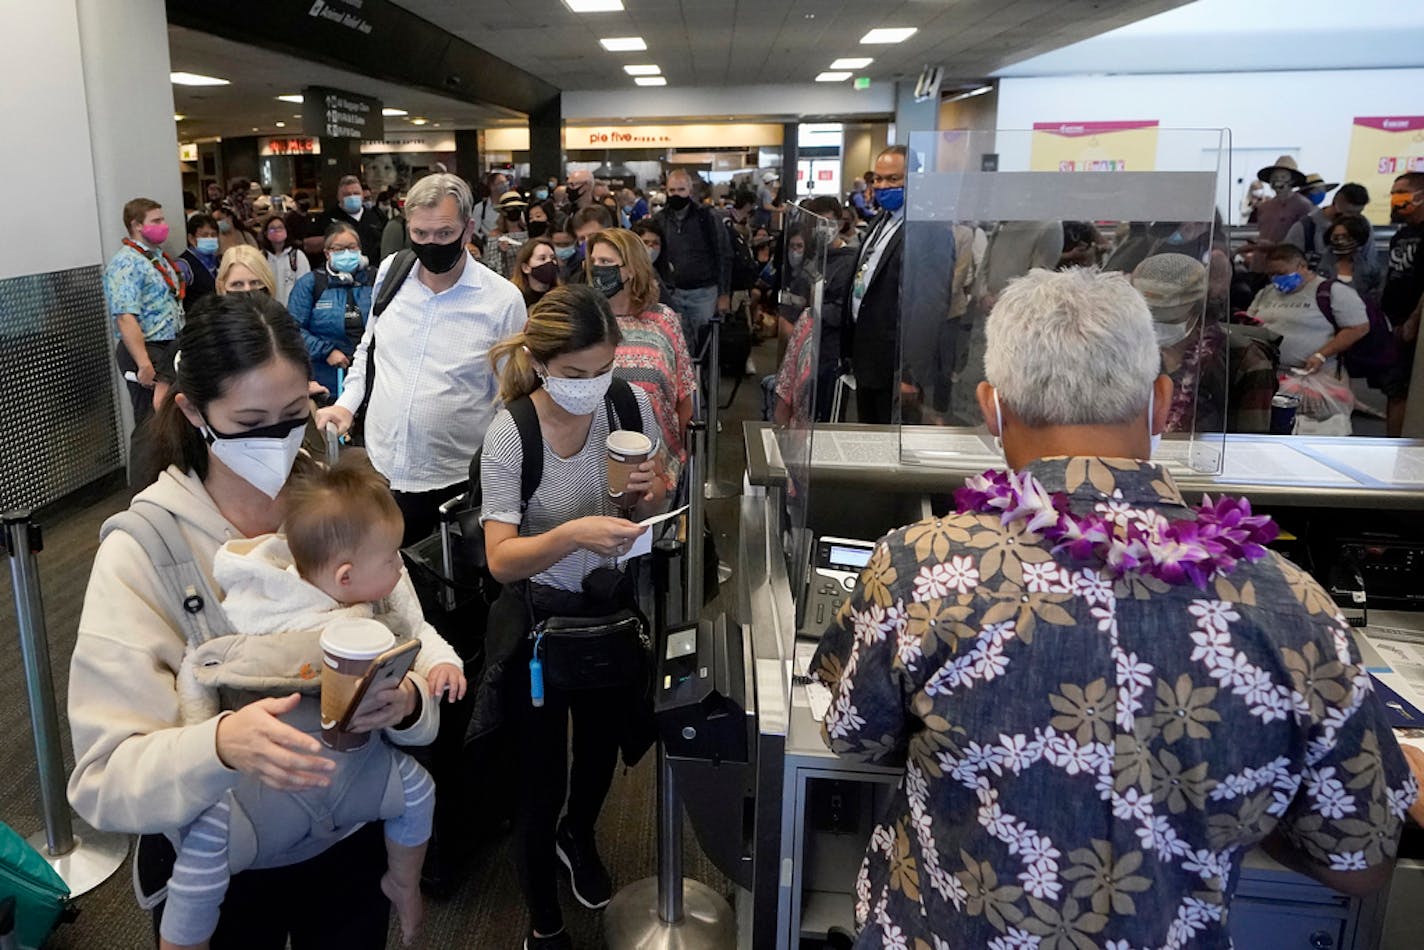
x=336, y=114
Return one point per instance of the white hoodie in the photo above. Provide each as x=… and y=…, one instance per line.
x=138, y=770
x=279, y=619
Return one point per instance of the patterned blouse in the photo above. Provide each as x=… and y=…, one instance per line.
x=653, y=356
x=1088, y=760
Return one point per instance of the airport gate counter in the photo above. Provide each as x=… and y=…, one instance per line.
x=1351, y=509
x=818, y=495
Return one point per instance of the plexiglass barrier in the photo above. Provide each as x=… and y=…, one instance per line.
x=985, y=207
x=803, y=385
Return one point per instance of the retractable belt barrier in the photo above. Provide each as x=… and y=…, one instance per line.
x=83, y=863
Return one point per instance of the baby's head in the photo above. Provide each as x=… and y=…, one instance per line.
x=344, y=531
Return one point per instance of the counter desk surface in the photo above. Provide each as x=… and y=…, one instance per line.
x=1270, y=470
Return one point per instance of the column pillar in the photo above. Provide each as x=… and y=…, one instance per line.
x=239, y=159
x=912, y=116
x=338, y=157
x=467, y=155
x=546, y=140
x=790, y=140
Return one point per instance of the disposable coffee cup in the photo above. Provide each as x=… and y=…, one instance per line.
x=626, y=451
x=348, y=648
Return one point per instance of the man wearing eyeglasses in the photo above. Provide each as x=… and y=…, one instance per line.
x=883, y=301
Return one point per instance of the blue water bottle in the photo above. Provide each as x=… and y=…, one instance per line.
x=536, y=676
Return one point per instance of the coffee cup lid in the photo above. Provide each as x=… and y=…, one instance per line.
x=357, y=639
x=627, y=440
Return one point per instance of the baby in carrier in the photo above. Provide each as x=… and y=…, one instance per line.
x=339, y=558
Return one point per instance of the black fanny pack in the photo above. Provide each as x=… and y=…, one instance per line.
x=580, y=653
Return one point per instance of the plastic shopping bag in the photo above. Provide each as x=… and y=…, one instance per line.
x=1321, y=395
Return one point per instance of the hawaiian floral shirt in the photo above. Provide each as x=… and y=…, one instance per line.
x=1088, y=760
x=133, y=284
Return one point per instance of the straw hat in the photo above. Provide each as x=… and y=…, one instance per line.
x=1284, y=163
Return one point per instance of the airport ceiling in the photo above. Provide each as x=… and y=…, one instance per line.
x=750, y=42
x=694, y=43
x=258, y=76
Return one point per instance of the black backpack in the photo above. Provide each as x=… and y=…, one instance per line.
x=399, y=270
x=1374, y=353
x=745, y=268
x=623, y=412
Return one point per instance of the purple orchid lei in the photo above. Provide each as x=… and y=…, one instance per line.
x=1125, y=538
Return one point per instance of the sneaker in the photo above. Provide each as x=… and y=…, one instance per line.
x=591, y=884
x=558, y=941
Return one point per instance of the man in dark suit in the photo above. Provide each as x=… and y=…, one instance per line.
x=368, y=222
x=885, y=305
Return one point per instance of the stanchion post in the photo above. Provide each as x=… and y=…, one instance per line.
x=669, y=843
x=82, y=864
x=714, y=404
x=22, y=541
x=692, y=587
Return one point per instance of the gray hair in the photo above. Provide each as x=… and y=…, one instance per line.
x=1072, y=348
x=433, y=189
x=349, y=180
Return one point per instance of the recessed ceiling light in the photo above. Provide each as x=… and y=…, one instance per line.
x=852, y=62
x=833, y=77
x=193, y=79
x=179, y=117
x=897, y=34
x=281, y=125
x=418, y=121
x=623, y=44
x=594, y=6
x=255, y=129
x=651, y=80
x=294, y=97
x=648, y=70
x=389, y=111
x=435, y=125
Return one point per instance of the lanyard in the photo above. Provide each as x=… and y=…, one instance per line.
x=178, y=288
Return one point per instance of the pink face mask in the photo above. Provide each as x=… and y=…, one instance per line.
x=154, y=233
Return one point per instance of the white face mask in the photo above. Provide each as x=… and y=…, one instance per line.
x=578, y=397
x=261, y=457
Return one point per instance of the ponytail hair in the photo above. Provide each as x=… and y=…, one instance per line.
x=225, y=336
x=565, y=320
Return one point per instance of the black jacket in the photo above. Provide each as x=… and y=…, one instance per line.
x=201, y=283
x=370, y=228
x=698, y=249
x=910, y=301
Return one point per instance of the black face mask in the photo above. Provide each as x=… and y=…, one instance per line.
x=439, y=258
x=678, y=202
x=573, y=193
x=538, y=228
x=546, y=273
x=606, y=278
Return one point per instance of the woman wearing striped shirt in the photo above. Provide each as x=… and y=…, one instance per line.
x=653, y=355
x=545, y=553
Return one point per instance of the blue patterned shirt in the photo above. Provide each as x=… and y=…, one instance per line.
x=133, y=284
x=1088, y=760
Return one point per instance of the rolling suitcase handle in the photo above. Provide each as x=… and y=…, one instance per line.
x=447, y=549
x=333, y=444
x=843, y=382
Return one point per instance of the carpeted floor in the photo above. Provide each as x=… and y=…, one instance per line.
x=487, y=909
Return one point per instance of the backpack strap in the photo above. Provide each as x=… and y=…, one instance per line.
x=1322, y=300
x=395, y=276
x=320, y=280
x=531, y=449
x=192, y=604
x=624, y=406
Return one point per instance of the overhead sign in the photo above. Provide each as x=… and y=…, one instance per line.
x=347, y=14
x=187, y=151
x=1094, y=146
x=600, y=137
x=1381, y=149
x=336, y=114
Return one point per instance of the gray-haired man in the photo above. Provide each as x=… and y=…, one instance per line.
x=350, y=209
x=433, y=392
